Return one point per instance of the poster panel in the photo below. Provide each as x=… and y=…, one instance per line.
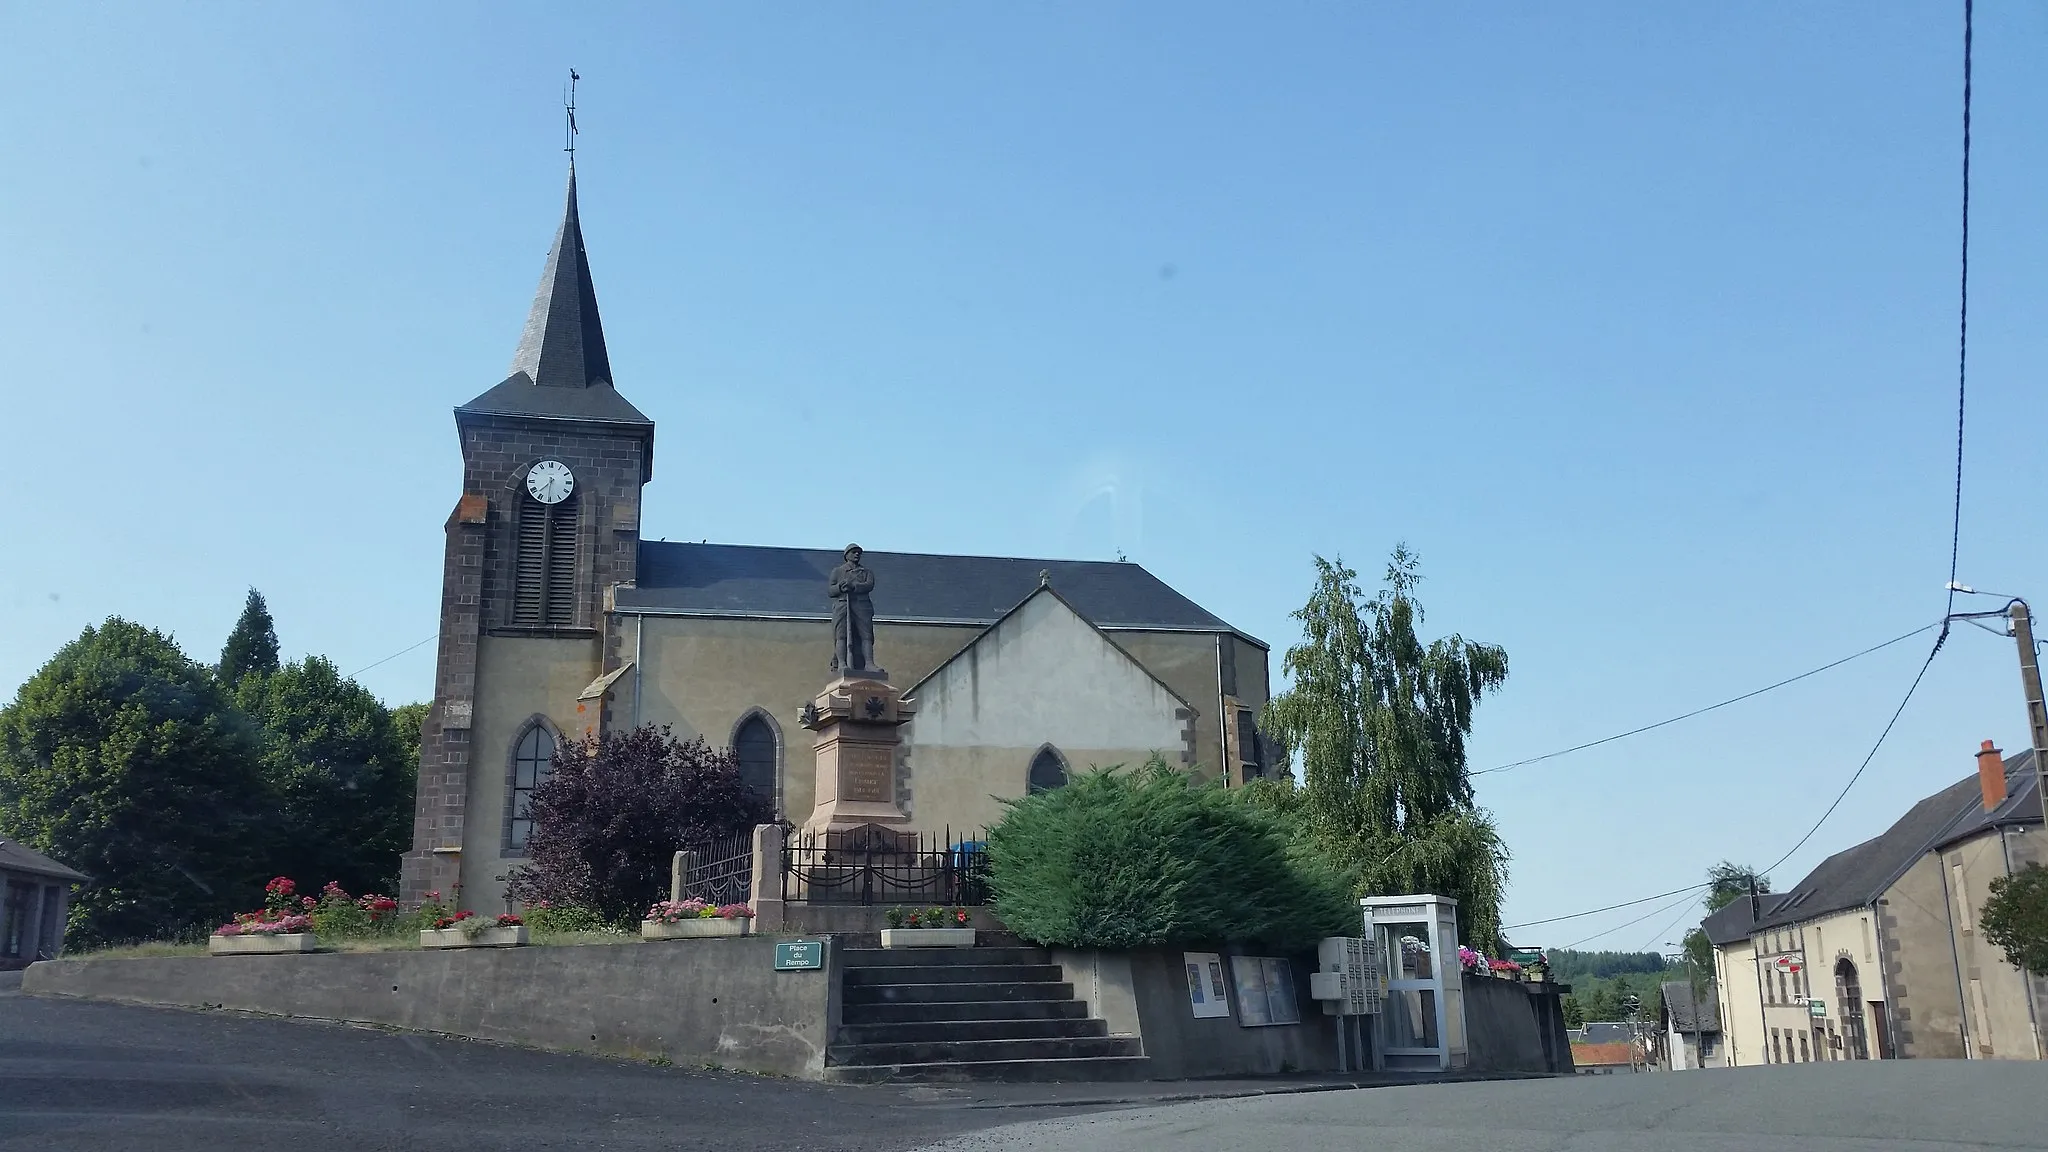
x=1207, y=996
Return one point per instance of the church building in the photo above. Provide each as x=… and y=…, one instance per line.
x=559, y=621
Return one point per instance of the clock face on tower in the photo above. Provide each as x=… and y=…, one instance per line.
x=550, y=481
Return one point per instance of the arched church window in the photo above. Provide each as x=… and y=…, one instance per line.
x=533, y=760
x=544, y=574
x=1048, y=770
x=753, y=744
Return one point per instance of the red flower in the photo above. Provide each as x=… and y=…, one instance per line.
x=960, y=917
x=308, y=902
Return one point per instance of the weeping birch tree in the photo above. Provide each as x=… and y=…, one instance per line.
x=1379, y=720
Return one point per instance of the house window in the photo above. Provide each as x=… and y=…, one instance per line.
x=1048, y=770
x=544, y=576
x=1776, y=1056
x=1803, y=1053
x=1250, y=767
x=753, y=745
x=533, y=760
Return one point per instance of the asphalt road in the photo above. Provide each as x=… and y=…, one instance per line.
x=80, y=1075
x=77, y=1075
x=1851, y=1107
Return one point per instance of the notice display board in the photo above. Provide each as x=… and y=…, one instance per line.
x=1265, y=991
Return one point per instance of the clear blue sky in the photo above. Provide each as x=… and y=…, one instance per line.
x=1637, y=322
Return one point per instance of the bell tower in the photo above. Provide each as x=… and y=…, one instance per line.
x=553, y=462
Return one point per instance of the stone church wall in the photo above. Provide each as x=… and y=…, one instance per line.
x=519, y=677
x=703, y=675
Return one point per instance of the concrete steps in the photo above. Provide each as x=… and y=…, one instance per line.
x=959, y=1014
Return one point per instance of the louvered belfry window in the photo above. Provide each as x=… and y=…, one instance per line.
x=544, y=578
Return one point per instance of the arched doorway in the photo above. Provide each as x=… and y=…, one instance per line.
x=1849, y=994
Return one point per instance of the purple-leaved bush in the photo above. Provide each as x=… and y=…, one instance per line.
x=610, y=819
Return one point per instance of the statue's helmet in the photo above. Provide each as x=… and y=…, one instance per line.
x=852, y=552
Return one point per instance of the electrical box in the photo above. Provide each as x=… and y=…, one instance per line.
x=1348, y=982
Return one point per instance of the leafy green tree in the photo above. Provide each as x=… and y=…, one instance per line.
x=2015, y=918
x=124, y=759
x=1574, y=1015
x=342, y=772
x=1145, y=858
x=1380, y=720
x=406, y=721
x=1727, y=882
x=252, y=647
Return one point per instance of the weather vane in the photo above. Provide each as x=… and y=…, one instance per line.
x=569, y=106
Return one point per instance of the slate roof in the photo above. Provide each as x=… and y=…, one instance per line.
x=1600, y=1032
x=561, y=369
x=1858, y=875
x=21, y=859
x=2022, y=803
x=1678, y=1002
x=910, y=587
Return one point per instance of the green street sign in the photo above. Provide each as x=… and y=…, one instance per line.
x=799, y=955
x=1526, y=956
x=1817, y=1007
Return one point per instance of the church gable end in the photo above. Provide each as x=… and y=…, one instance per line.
x=1045, y=675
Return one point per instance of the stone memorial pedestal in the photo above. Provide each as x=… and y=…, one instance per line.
x=855, y=721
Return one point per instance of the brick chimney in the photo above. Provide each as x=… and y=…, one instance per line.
x=1991, y=775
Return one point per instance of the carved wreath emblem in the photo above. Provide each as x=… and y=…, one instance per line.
x=807, y=716
x=875, y=707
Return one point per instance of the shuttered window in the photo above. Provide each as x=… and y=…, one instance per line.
x=544, y=575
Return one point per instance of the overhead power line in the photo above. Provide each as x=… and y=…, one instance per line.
x=1710, y=707
x=1608, y=908
x=1955, y=539
x=1858, y=774
x=1688, y=898
x=393, y=656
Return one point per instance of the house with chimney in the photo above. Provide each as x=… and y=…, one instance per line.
x=1877, y=953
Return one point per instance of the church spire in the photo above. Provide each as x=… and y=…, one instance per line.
x=563, y=345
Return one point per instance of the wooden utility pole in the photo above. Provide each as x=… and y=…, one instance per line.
x=2030, y=681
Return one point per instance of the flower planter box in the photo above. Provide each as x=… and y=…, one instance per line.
x=927, y=937
x=261, y=943
x=695, y=929
x=492, y=937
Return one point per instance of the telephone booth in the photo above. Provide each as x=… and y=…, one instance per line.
x=1421, y=1024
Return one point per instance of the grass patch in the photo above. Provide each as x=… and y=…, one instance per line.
x=145, y=950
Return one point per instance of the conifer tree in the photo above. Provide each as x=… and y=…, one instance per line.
x=252, y=646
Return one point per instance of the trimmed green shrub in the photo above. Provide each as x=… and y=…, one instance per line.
x=1150, y=858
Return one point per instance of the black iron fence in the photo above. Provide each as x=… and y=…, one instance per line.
x=878, y=865
x=721, y=871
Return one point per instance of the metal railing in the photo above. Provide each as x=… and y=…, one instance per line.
x=721, y=870
x=873, y=864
